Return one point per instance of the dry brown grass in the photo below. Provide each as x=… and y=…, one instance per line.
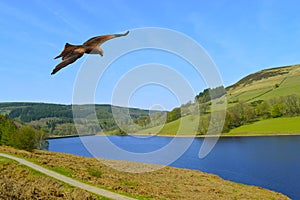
x=166, y=183
x=19, y=182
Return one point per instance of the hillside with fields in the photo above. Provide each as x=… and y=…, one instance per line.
x=266, y=84
x=270, y=99
x=264, y=95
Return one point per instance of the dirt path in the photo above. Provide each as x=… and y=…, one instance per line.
x=70, y=181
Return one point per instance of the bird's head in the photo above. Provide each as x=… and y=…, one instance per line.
x=101, y=52
x=96, y=50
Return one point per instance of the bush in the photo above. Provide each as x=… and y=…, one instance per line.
x=95, y=172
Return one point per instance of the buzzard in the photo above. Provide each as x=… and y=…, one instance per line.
x=92, y=46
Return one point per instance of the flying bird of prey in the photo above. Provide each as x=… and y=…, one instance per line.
x=92, y=46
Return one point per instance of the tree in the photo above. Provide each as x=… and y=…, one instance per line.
x=291, y=105
x=7, y=128
x=26, y=137
x=210, y=94
x=277, y=110
x=142, y=121
x=203, y=107
x=263, y=109
x=203, y=125
x=174, y=114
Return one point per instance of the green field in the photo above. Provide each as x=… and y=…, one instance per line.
x=246, y=95
x=184, y=126
x=289, y=86
x=268, y=87
x=270, y=126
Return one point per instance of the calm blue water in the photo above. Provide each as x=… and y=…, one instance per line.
x=269, y=162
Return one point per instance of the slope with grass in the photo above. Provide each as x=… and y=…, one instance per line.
x=275, y=126
x=181, y=127
x=61, y=176
x=20, y=182
x=266, y=84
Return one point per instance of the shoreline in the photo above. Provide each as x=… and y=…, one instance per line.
x=66, y=136
x=233, y=135
x=182, y=136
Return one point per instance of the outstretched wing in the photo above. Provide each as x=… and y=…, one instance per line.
x=98, y=40
x=67, y=60
x=67, y=50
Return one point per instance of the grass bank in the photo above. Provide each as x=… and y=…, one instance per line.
x=20, y=182
x=184, y=126
x=274, y=126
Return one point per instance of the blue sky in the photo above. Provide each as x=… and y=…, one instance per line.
x=241, y=37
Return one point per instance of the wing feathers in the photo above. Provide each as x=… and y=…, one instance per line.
x=68, y=48
x=68, y=60
x=98, y=40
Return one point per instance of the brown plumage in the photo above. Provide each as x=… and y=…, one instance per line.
x=92, y=46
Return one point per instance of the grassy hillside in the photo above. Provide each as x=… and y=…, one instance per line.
x=275, y=88
x=270, y=126
x=266, y=84
x=265, y=94
x=166, y=183
x=188, y=127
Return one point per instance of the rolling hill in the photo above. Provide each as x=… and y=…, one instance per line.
x=57, y=119
x=266, y=84
x=268, y=87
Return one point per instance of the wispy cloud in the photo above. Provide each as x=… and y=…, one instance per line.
x=59, y=14
x=27, y=18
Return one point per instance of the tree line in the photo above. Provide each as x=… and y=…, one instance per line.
x=243, y=113
x=210, y=94
x=24, y=137
x=56, y=119
x=203, y=99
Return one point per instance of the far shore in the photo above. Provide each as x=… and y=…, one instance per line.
x=182, y=136
x=225, y=135
x=67, y=136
